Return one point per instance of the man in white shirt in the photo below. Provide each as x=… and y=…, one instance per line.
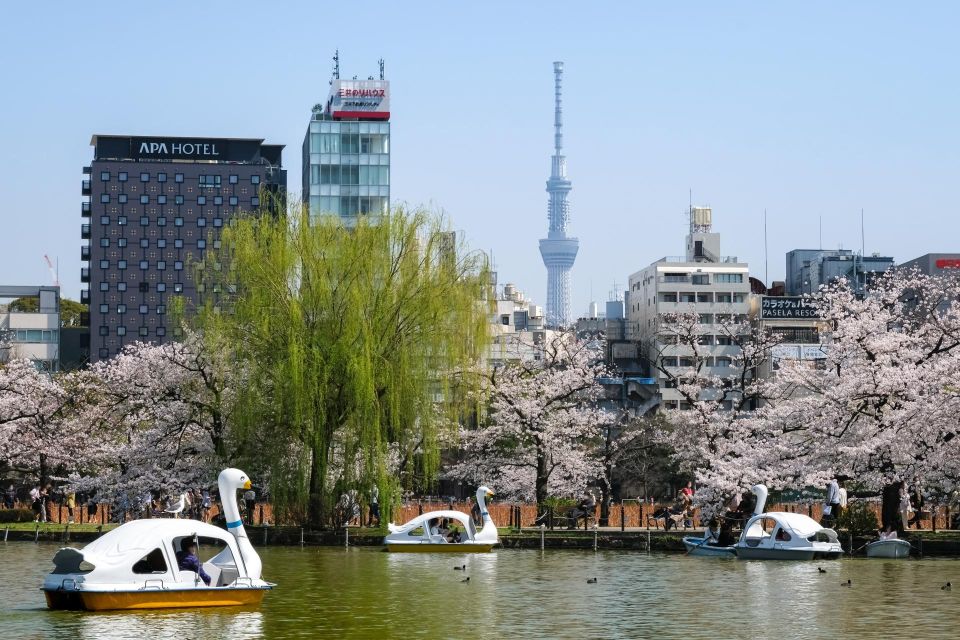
x=833, y=501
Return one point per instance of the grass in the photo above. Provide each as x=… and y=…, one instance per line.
x=51, y=526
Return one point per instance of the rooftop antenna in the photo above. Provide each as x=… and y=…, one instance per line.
x=766, y=265
x=821, y=232
x=53, y=273
x=380, y=62
x=336, y=64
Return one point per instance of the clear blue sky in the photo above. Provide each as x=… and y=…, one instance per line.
x=808, y=110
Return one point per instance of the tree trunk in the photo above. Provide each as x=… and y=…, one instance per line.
x=317, y=487
x=542, y=476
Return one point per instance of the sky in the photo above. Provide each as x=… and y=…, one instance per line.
x=808, y=111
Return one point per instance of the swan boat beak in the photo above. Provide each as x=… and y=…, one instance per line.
x=247, y=485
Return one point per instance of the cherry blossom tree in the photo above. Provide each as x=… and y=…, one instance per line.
x=541, y=429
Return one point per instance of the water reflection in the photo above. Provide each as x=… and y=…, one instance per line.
x=522, y=594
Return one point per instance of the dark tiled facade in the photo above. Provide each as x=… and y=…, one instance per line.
x=149, y=218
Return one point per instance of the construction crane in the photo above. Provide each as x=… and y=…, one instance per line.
x=53, y=272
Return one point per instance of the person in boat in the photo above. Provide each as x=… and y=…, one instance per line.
x=888, y=533
x=187, y=560
x=725, y=538
x=711, y=534
x=782, y=535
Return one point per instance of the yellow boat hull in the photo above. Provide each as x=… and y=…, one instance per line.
x=154, y=599
x=451, y=547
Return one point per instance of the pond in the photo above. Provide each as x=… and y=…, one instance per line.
x=364, y=592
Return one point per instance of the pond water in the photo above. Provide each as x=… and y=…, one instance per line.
x=364, y=592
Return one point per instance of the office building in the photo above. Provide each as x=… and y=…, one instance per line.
x=715, y=287
x=155, y=205
x=31, y=330
x=934, y=264
x=346, y=151
x=809, y=269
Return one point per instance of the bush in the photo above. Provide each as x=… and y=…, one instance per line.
x=16, y=515
x=858, y=519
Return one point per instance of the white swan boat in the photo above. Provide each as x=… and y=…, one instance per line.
x=420, y=534
x=135, y=566
x=890, y=548
x=778, y=535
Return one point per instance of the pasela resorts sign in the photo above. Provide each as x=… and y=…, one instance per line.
x=787, y=307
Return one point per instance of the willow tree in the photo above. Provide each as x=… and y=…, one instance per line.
x=352, y=338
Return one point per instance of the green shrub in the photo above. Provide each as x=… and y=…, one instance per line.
x=16, y=515
x=858, y=519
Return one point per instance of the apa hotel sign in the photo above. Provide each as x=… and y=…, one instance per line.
x=176, y=148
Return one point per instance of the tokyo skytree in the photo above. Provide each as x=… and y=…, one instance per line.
x=558, y=251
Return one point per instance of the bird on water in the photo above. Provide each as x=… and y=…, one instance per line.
x=462, y=567
x=591, y=581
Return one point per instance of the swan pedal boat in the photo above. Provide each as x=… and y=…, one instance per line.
x=892, y=548
x=416, y=537
x=135, y=565
x=779, y=535
x=698, y=547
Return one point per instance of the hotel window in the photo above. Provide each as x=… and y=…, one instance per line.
x=161, y=309
x=233, y=179
x=178, y=177
x=104, y=308
x=121, y=286
x=143, y=309
x=201, y=222
x=178, y=200
x=144, y=243
x=201, y=200
x=122, y=220
x=144, y=199
x=144, y=265
x=144, y=221
x=162, y=265
x=254, y=201
x=121, y=331
x=122, y=176
x=178, y=243
x=121, y=264
x=121, y=308
x=105, y=197
x=161, y=331
x=178, y=266
x=161, y=244
x=161, y=199
x=104, y=286
x=178, y=222
x=161, y=222
x=233, y=201
x=105, y=176
x=178, y=287
x=105, y=220
x=218, y=200
x=143, y=331
x=254, y=179
x=218, y=222
x=144, y=177
x=210, y=181
x=104, y=330
x=161, y=177
x=201, y=244
x=122, y=198
x=104, y=264
x=104, y=242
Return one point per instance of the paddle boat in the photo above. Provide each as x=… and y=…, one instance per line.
x=420, y=534
x=703, y=547
x=888, y=548
x=135, y=566
x=778, y=535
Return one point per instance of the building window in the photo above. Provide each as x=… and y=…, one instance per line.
x=143, y=309
x=728, y=277
x=201, y=244
x=254, y=201
x=144, y=177
x=216, y=244
x=254, y=179
x=104, y=286
x=161, y=331
x=233, y=179
x=104, y=330
x=144, y=199
x=162, y=265
x=105, y=220
x=178, y=177
x=105, y=198
x=121, y=309
x=178, y=266
x=144, y=221
x=144, y=265
x=218, y=222
x=104, y=242
x=201, y=200
x=122, y=176
x=178, y=200
x=122, y=198
x=161, y=309
x=210, y=181
x=201, y=222
x=104, y=264
x=161, y=287
x=105, y=176
x=161, y=222
x=178, y=243
x=104, y=308
x=178, y=287
x=161, y=199
x=161, y=177
x=143, y=331
x=161, y=244
x=144, y=287
x=122, y=220
x=178, y=222
x=233, y=201
x=218, y=200
x=121, y=286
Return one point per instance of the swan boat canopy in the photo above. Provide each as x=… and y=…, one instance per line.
x=422, y=535
x=135, y=566
x=890, y=548
x=778, y=535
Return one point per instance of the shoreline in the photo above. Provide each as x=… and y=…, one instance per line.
x=942, y=543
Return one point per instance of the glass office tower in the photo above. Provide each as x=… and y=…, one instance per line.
x=346, y=153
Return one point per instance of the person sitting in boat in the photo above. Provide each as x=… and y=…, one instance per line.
x=889, y=533
x=711, y=534
x=187, y=560
x=443, y=529
x=725, y=538
x=782, y=535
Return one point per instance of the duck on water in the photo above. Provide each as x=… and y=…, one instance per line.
x=136, y=565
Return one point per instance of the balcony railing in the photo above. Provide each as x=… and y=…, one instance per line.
x=84, y=296
x=85, y=252
x=85, y=209
x=85, y=274
x=85, y=231
x=85, y=187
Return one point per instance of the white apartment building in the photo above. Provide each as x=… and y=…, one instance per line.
x=33, y=334
x=715, y=287
x=517, y=327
